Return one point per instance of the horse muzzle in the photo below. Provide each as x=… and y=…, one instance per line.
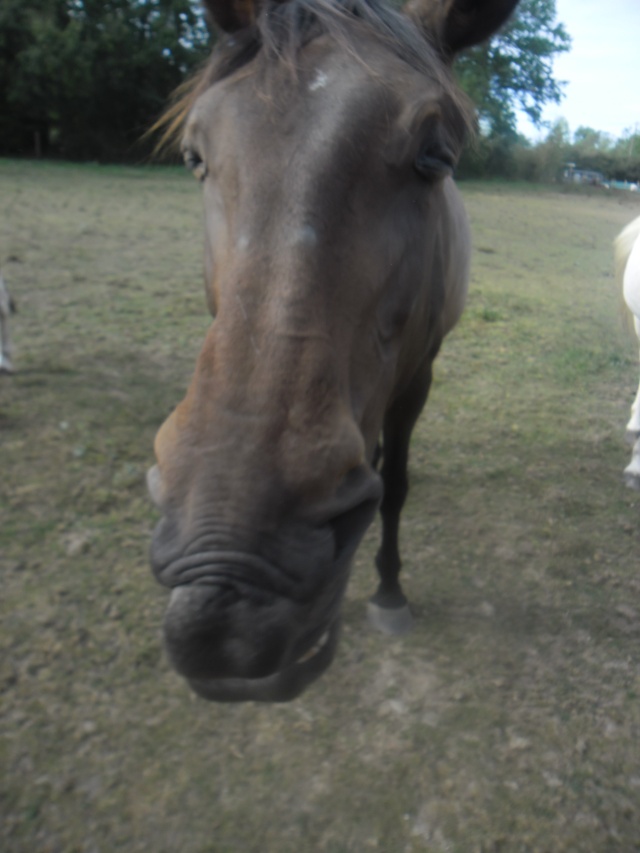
x=234, y=665
x=257, y=618
x=235, y=639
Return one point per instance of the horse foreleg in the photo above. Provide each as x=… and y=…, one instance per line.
x=388, y=610
x=5, y=347
x=633, y=427
x=632, y=471
x=5, y=342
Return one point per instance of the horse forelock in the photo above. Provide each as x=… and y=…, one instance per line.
x=283, y=29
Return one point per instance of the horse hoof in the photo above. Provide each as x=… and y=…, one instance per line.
x=395, y=621
x=632, y=480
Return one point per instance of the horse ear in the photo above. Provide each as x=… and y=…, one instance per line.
x=457, y=24
x=232, y=15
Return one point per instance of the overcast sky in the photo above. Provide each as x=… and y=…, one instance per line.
x=602, y=69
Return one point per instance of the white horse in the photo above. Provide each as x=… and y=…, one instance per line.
x=627, y=254
x=6, y=308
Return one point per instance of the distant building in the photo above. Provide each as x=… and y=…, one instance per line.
x=590, y=177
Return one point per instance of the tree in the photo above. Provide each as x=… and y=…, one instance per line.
x=616, y=159
x=589, y=141
x=22, y=104
x=515, y=69
x=88, y=76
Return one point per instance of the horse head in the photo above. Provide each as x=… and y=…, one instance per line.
x=324, y=133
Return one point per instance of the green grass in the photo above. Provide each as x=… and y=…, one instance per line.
x=507, y=721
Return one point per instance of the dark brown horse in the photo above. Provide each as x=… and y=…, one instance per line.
x=324, y=133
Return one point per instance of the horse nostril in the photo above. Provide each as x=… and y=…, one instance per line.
x=213, y=632
x=155, y=486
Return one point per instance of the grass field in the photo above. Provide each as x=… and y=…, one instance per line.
x=509, y=720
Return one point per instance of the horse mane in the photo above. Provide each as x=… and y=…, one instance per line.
x=283, y=28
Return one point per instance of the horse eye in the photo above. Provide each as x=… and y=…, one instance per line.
x=434, y=164
x=194, y=162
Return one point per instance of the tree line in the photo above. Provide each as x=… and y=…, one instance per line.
x=84, y=79
x=514, y=157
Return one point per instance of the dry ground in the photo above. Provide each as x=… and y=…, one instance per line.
x=508, y=721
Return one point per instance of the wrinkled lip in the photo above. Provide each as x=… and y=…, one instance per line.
x=237, y=625
x=282, y=686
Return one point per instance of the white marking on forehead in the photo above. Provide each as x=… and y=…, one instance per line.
x=242, y=243
x=306, y=235
x=319, y=81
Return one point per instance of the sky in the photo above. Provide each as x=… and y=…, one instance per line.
x=602, y=68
